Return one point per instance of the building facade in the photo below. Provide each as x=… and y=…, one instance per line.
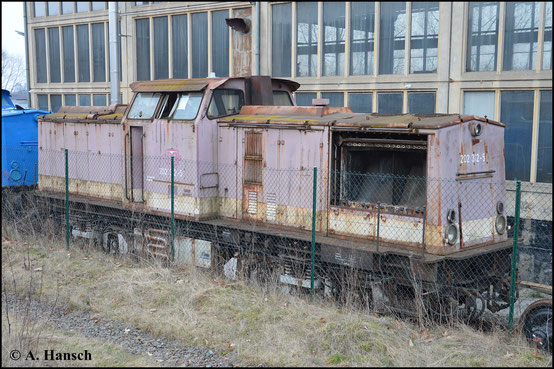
x=491, y=59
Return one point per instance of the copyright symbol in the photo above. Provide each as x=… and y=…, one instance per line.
x=15, y=355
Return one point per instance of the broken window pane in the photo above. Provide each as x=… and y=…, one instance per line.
x=144, y=105
x=225, y=102
x=391, y=40
x=521, y=35
x=480, y=103
x=306, y=39
x=482, y=36
x=187, y=106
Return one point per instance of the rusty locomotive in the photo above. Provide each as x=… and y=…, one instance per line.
x=244, y=154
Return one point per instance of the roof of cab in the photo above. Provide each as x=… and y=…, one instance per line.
x=345, y=118
x=193, y=84
x=81, y=114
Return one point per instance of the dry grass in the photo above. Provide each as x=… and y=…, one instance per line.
x=102, y=353
x=259, y=325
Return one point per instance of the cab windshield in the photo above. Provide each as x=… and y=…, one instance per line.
x=144, y=105
x=187, y=105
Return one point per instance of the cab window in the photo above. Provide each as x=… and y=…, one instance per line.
x=144, y=105
x=225, y=102
x=281, y=98
x=182, y=105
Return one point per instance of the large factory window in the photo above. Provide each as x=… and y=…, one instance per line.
x=98, y=52
x=361, y=102
x=143, y=49
x=82, y=6
x=54, y=54
x=333, y=38
x=387, y=170
x=144, y=105
x=220, y=43
x=39, y=9
x=99, y=100
x=55, y=102
x=69, y=100
x=42, y=100
x=305, y=98
x=362, y=37
x=480, y=103
x=179, y=42
x=421, y=102
x=281, y=39
x=547, y=45
x=482, y=36
x=84, y=100
x=425, y=37
x=225, y=102
x=516, y=110
x=40, y=45
x=389, y=102
x=68, y=54
x=521, y=35
x=544, y=165
x=306, y=39
x=336, y=99
x=391, y=40
x=53, y=8
x=199, y=45
x=83, y=53
x=161, y=48
x=67, y=7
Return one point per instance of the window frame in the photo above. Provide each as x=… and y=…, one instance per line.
x=154, y=112
x=241, y=93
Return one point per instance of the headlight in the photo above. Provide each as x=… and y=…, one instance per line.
x=500, y=207
x=475, y=129
x=500, y=224
x=451, y=234
x=451, y=215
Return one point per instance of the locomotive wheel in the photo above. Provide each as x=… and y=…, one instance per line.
x=537, y=327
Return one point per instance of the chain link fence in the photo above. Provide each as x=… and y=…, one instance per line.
x=425, y=247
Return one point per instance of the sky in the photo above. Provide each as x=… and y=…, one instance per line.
x=12, y=20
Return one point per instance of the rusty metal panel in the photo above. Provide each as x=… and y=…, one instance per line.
x=163, y=85
x=242, y=46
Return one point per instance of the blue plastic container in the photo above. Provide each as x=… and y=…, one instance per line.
x=19, y=143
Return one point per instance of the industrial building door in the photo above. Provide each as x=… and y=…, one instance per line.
x=137, y=175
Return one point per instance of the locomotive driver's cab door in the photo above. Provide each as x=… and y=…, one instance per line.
x=142, y=110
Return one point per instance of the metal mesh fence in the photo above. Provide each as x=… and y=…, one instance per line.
x=428, y=247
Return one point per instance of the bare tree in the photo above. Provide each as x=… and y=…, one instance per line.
x=13, y=71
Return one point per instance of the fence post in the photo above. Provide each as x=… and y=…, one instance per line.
x=514, y=258
x=172, y=208
x=66, y=201
x=313, y=233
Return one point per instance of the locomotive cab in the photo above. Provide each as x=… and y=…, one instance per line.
x=177, y=118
